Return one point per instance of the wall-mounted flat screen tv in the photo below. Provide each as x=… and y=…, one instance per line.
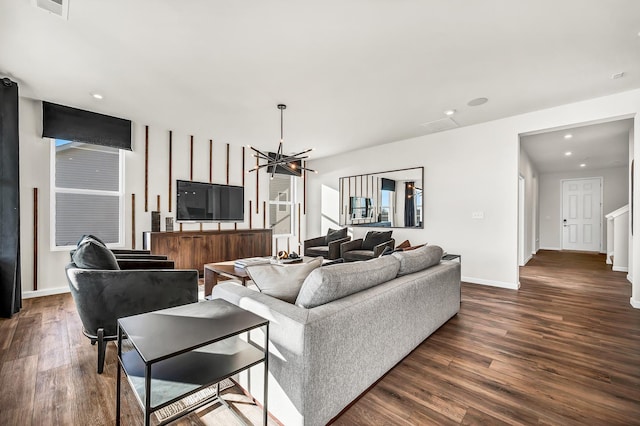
x=209, y=202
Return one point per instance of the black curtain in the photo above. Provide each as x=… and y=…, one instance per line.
x=409, y=204
x=10, y=285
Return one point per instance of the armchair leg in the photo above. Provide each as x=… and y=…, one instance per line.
x=102, y=347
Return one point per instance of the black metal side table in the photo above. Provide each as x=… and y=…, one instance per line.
x=179, y=351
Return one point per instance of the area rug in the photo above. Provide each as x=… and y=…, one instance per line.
x=190, y=401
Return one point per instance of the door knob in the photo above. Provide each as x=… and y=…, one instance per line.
x=564, y=223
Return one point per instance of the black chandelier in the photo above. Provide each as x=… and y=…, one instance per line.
x=287, y=163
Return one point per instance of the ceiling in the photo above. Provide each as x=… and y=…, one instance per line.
x=352, y=73
x=597, y=146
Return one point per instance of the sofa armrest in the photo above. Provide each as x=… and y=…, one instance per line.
x=334, y=247
x=314, y=242
x=377, y=250
x=129, y=264
x=141, y=256
x=350, y=245
x=129, y=251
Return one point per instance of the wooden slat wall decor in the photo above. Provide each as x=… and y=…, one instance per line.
x=227, y=164
x=250, y=215
x=210, y=160
x=146, y=168
x=264, y=214
x=180, y=227
x=133, y=221
x=170, y=166
x=158, y=203
x=257, y=187
x=191, y=162
x=304, y=187
x=242, y=170
x=299, y=226
x=35, y=239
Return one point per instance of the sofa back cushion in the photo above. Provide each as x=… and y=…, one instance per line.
x=416, y=260
x=373, y=238
x=93, y=254
x=335, y=234
x=282, y=282
x=334, y=282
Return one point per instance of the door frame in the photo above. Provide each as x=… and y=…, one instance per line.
x=562, y=181
x=521, y=220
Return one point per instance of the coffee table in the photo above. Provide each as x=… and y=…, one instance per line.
x=212, y=272
x=180, y=351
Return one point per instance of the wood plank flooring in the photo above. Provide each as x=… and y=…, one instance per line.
x=563, y=350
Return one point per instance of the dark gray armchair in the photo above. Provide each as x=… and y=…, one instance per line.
x=327, y=246
x=104, y=290
x=370, y=247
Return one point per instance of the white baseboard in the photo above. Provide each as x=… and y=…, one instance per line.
x=630, y=278
x=490, y=283
x=550, y=248
x=620, y=269
x=635, y=303
x=47, y=292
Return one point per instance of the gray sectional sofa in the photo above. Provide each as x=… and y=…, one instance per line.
x=359, y=320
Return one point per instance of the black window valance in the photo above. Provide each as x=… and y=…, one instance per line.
x=72, y=124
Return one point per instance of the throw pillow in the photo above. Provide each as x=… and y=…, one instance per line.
x=92, y=254
x=93, y=237
x=419, y=259
x=341, y=280
x=403, y=245
x=335, y=234
x=373, y=238
x=282, y=282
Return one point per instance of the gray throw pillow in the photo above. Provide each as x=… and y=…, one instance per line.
x=337, y=281
x=416, y=260
x=373, y=238
x=335, y=234
x=92, y=254
x=282, y=281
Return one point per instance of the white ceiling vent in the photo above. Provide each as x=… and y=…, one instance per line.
x=440, y=125
x=57, y=7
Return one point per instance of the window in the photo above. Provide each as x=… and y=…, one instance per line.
x=87, y=193
x=281, y=204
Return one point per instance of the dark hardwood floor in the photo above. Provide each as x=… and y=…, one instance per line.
x=563, y=350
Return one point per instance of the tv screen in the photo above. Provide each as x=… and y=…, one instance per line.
x=209, y=202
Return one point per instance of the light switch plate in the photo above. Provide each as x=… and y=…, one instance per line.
x=477, y=215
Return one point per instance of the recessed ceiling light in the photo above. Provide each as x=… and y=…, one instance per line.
x=583, y=165
x=568, y=136
x=617, y=75
x=450, y=112
x=97, y=95
x=568, y=153
x=477, y=101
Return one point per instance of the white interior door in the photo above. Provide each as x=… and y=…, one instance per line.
x=581, y=214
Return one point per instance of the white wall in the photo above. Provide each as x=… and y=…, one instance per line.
x=615, y=195
x=35, y=173
x=473, y=168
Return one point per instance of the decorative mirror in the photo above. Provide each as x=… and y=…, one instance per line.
x=390, y=199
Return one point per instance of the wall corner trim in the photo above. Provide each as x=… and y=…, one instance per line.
x=635, y=303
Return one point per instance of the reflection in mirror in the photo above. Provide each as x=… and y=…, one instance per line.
x=390, y=199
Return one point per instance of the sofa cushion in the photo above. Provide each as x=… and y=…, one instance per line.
x=335, y=234
x=373, y=238
x=282, y=282
x=419, y=259
x=337, y=281
x=92, y=254
x=322, y=251
x=93, y=237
